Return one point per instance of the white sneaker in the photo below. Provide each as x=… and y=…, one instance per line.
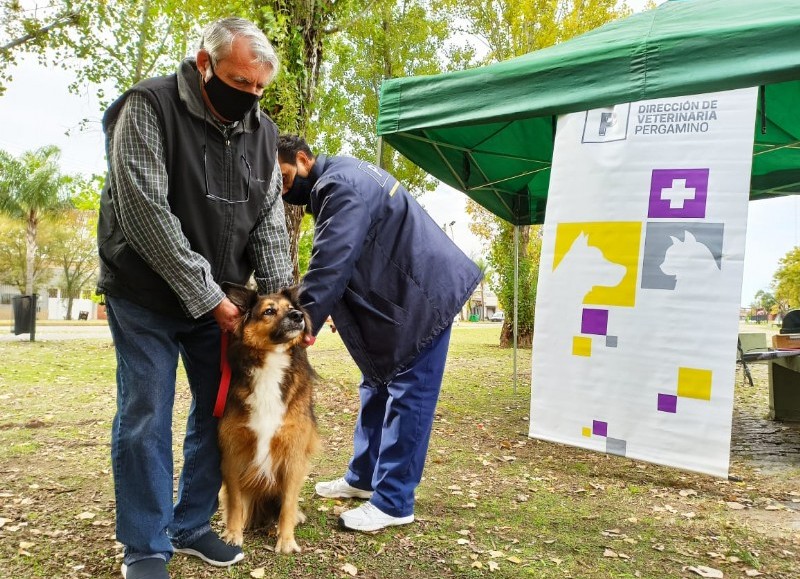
x=368, y=517
x=339, y=489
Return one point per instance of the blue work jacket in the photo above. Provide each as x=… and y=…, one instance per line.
x=389, y=276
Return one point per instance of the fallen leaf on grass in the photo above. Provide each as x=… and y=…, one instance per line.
x=707, y=572
x=515, y=560
x=493, y=566
x=496, y=554
x=258, y=573
x=85, y=516
x=26, y=545
x=610, y=553
x=350, y=569
x=687, y=493
x=463, y=541
x=735, y=506
x=752, y=573
x=477, y=565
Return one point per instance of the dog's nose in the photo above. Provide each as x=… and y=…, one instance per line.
x=295, y=315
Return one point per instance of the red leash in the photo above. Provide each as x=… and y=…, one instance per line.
x=225, y=379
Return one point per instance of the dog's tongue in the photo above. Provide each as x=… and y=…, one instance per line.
x=309, y=340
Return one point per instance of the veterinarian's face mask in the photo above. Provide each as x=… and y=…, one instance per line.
x=300, y=191
x=232, y=103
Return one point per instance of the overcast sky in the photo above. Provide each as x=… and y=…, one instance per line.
x=38, y=110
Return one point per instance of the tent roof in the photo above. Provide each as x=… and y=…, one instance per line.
x=489, y=131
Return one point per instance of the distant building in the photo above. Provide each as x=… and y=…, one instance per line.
x=51, y=305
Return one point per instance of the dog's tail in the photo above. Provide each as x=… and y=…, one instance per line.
x=264, y=512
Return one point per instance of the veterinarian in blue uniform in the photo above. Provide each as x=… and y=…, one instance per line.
x=192, y=200
x=392, y=281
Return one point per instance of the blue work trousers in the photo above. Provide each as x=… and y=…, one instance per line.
x=147, y=346
x=393, y=430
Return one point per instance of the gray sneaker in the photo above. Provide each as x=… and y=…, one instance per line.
x=152, y=568
x=340, y=489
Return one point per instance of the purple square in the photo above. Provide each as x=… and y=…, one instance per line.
x=667, y=403
x=599, y=428
x=678, y=193
x=594, y=322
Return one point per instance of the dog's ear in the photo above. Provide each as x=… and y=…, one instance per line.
x=244, y=298
x=292, y=293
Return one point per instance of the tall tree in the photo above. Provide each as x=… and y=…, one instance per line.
x=13, y=262
x=510, y=28
x=786, y=279
x=485, y=269
x=32, y=187
x=73, y=252
x=116, y=42
x=298, y=30
x=392, y=38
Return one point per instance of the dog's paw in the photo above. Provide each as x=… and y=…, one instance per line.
x=233, y=537
x=301, y=517
x=288, y=545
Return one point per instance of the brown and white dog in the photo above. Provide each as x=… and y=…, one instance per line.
x=268, y=431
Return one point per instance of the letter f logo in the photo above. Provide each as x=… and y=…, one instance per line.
x=607, y=120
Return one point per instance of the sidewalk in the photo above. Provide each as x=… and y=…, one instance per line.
x=52, y=331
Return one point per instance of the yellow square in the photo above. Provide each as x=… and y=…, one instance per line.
x=586, y=431
x=694, y=383
x=581, y=346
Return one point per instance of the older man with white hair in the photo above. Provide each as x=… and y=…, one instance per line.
x=192, y=199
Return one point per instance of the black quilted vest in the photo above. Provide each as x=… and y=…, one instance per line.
x=201, y=162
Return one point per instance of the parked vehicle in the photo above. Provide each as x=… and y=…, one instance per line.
x=497, y=317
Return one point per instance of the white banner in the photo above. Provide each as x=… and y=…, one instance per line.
x=641, y=273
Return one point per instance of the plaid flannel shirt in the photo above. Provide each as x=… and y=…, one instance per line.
x=140, y=182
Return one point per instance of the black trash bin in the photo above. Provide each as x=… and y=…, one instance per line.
x=24, y=314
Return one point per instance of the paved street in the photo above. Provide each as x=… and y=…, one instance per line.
x=52, y=333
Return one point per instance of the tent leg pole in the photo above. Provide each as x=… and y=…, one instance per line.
x=516, y=300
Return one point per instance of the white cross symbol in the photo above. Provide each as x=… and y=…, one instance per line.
x=678, y=194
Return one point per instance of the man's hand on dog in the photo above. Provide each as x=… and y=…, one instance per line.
x=227, y=315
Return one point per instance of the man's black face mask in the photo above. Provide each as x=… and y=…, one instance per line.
x=300, y=191
x=228, y=101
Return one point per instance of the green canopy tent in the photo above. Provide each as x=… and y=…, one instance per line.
x=489, y=131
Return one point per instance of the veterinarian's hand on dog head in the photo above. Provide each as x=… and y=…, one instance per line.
x=227, y=315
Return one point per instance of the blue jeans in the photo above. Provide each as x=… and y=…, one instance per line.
x=393, y=430
x=148, y=345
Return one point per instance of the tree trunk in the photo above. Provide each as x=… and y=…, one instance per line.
x=524, y=339
x=294, y=215
x=30, y=250
x=483, y=302
x=70, y=301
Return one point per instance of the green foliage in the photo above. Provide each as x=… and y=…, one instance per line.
x=512, y=28
x=106, y=43
x=389, y=39
x=786, y=279
x=305, y=243
x=13, y=262
x=32, y=188
x=502, y=258
x=73, y=252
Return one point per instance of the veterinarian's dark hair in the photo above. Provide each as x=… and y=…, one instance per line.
x=290, y=145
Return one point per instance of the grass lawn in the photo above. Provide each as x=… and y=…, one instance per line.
x=493, y=502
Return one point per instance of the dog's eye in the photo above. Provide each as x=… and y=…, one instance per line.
x=269, y=312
